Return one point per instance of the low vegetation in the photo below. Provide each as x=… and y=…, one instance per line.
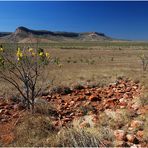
x=70, y=92
x=23, y=70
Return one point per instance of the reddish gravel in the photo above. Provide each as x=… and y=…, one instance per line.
x=78, y=103
x=95, y=100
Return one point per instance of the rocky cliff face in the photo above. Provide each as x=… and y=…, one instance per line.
x=2, y=34
x=22, y=34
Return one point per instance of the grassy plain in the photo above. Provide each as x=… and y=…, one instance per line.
x=98, y=62
x=95, y=62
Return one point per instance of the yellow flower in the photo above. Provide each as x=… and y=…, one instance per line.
x=18, y=49
x=18, y=59
x=1, y=49
x=47, y=55
x=30, y=50
x=19, y=54
x=41, y=54
x=33, y=54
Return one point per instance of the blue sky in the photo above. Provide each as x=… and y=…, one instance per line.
x=125, y=20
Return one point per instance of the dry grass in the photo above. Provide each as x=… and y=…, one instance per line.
x=101, y=65
x=97, y=65
x=146, y=129
x=37, y=130
x=32, y=130
x=75, y=137
x=115, y=119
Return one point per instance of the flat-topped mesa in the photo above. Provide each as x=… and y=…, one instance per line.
x=58, y=33
x=4, y=34
x=45, y=32
x=23, y=34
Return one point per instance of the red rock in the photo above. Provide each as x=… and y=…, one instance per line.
x=142, y=111
x=123, y=104
x=125, y=96
x=7, y=107
x=16, y=107
x=6, y=112
x=110, y=94
x=65, y=105
x=72, y=114
x=130, y=137
x=79, y=114
x=66, y=119
x=7, y=138
x=94, y=98
x=136, y=146
x=98, y=90
x=3, y=103
x=4, y=120
x=135, y=106
x=128, y=89
x=95, y=119
x=72, y=103
x=68, y=106
x=119, y=143
x=136, y=123
x=15, y=115
x=55, y=123
x=81, y=98
x=119, y=134
x=1, y=111
x=135, y=87
x=121, y=85
x=87, y=92
x=130, y=128
x=140, y=134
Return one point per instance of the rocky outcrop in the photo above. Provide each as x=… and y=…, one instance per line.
x=23, y=33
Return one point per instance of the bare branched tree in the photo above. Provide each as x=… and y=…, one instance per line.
x=22, y=70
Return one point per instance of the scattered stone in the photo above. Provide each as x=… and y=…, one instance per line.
x=119, y=143
x=140, y=134
x=94, y=98
x=130, y=137
x=71, y=104
x=119, y=135
x=142, y=111
x=136, y=146
x=136, y=123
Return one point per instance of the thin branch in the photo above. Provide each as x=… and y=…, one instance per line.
x=15, y=85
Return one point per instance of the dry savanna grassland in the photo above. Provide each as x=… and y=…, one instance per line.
x=97, y=64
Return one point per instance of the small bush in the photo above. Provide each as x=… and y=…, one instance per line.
x=78, y=86
x=32, y=130
x=60, y=90
x=70, y=137
x=22, y=70
x=43, y=107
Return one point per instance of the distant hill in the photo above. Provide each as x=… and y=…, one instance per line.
x=24, y=35
x=4, y=34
